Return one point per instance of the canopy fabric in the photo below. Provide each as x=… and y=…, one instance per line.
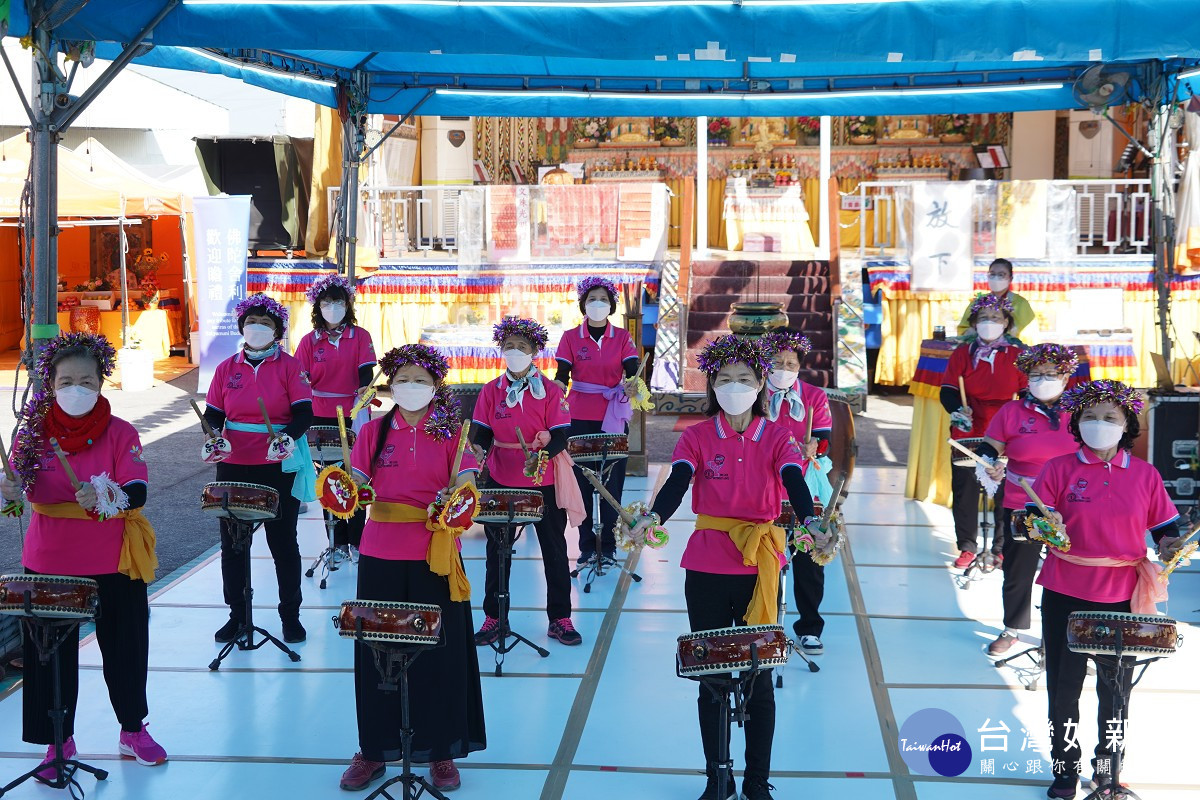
x=681, y=57
x=89, y=185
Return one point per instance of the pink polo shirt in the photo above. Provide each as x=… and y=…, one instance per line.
x=82, y=546
x=816, y=403
x=734, y=475
x=332, y=367
x=235, y=389
x=599, y=362
x=412, y=468
x=1107, y=509
x=1029, y=442
x=531, y=415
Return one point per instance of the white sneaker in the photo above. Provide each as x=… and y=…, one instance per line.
x=811, y=646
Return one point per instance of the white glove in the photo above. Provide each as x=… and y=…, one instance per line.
x=215, y=450
x=281, y=448
x=10, y=490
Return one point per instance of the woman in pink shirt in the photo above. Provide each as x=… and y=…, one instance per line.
x=522, y=399
x=262, y=371
x=601, y=360
x=407, y=457
x=106, y=455
x=1107, y=500
x=803, y=409
x=743, y=466
x=340, y=361
x=1030, y=431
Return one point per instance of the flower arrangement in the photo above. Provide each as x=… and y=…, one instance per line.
x=94, y=285
x=589, y=129
x=809, y=126
x=956, y=124
x=666, y=128
x=149, y=287
x=720, y=129
x=863, y=126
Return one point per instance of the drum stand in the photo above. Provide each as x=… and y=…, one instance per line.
x=791, y=553
x=1028, y=676
x=242, y=533
x=598, y=564
x=504, y=554
x=48, y=636
x=985, y=561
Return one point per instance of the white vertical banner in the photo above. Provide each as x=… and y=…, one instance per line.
x=941, y=225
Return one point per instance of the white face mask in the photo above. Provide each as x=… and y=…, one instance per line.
x=334, y=313
x=598, y=310
x=998, y=284
x=517, y=361
x=989, y=331
x=1100, y=435
x=736, y=398
x=257, y=336
x=76, y=400
x=1047, y=389
x=782, y=379
x=412, y=396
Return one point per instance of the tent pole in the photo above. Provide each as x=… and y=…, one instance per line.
x=353, y=138
x=44, y=203
x=701, y=186
x=122, y=246
x=1164, y=226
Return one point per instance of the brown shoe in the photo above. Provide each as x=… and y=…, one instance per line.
x=361, y=773
x=1002, y=645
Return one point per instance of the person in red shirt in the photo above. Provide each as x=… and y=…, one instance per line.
x=1107, y=500
x=1030, y=431
x=743, y=467
x=988, y=368
x=339, y=358
x=407, y=458
x=67, y=537
x=521, y=398
x=601, y=360
x=262, y=371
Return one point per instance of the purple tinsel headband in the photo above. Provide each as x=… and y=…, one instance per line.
x=531, y=330
x=1086, y=395
x=983, y=302
x=260, y=300
x=424, y=356
x=1064, y=359
x=96, y=344
x=731, y=349
x=328, y=281
x=778, y=341
x=594, y=281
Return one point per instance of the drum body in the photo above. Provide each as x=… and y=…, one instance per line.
x=325, y=442
x=249, y=501
x=383, y=621
x=590, y=447
x=1095, y=633
x=972, y=443
x=50, y=596
x=788, y=520
x=729, y=649
x=495, y=505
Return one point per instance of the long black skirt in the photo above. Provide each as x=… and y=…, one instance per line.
x=445, y=699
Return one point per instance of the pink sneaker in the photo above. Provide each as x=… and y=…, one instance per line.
x=50, y=774
x=445, y=775
x=141, y=746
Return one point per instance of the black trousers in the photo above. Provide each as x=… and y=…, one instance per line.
x=719, y=601
x=1065, y=672
x=445, y=700
x=1021, y=559
x=808, y=586
x=552, y=536
x=615, y=483
x=123, y=633
x=964, y=498
x=345, y=531
x=281, y=539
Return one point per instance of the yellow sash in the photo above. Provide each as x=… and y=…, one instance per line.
x=442, y=556
x=138, y=559
x=760, y=545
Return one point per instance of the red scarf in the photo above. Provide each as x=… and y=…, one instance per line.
x=75, y=434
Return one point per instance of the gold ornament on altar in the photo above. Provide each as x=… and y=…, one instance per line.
x=770, y=130
x=629, y=129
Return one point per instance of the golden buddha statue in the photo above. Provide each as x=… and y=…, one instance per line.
x=775, y=129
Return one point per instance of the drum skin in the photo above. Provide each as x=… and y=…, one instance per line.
x=1095, y=632
x=589, y=447
x=728, y=649
x=495, y=504
x=383, y=621
x=246, y=500
x=51, y=596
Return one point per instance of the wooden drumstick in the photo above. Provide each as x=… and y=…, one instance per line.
x=1033, y=496
x=366, y=399
x=208, y=431
x=524, y=446
x=8, y=471
x=262, y=406
x=598, y=485
x=463, y=435
x=971, y=454
x=641, y=366
x=345, y=440
x=962, y=392
x=62, y=459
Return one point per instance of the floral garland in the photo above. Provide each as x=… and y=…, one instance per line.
x=984, y=301
x=1086, y=395
x=732, y=349
x=594, y=281
x=260, y=300
x=426, y=357
x=779, y=341
x=1064, y=359
x=99, y=347
x=445, y=415
x=327, y=282
x=527, y=328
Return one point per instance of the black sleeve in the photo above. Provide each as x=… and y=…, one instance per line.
x=365, y=373
x=563, y=375
x=215, y=418
x=558, y=441
x=136, y=493
x=1166, y=529
x=302, y=417
x=822, y=436
x=631, y=366
x=672, y=492
x=987, y=451
x=481, y=436
x=797, y=491
x=951, y=399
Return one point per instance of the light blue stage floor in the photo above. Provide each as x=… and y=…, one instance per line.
x=610, y=719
